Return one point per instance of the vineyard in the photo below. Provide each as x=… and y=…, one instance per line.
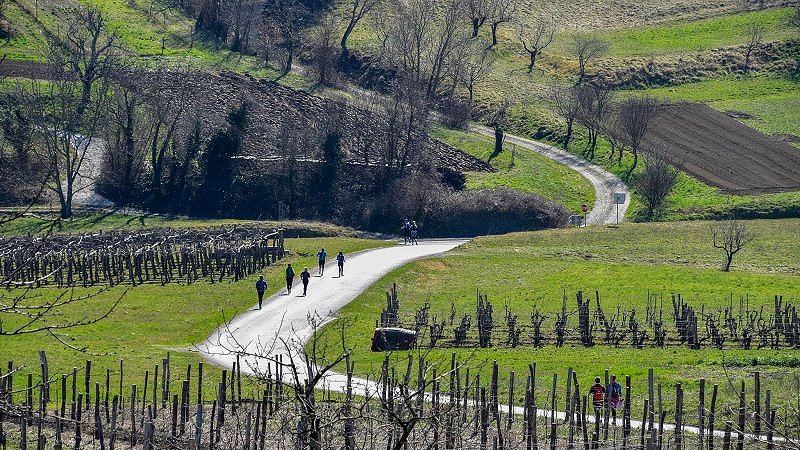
x=290, y=405
x=154, y=256
x=663, y=323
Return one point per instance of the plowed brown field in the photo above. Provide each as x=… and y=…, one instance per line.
x=724, y=152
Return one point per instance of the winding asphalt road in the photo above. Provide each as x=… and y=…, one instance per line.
x=605, y=183
x=281, y=329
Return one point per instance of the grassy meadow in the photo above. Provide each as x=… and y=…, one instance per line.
x=624, y=264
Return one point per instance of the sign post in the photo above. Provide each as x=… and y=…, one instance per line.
x=619, y=199
x=585, y=209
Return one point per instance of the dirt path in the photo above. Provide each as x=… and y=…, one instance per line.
x=605, y=183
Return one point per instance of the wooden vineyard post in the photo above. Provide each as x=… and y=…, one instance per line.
x=701, y=414
x=742, y=418
x=757, y=404
x=678, y=416
x=711, y=416
x=726, y=440
x=626, y=415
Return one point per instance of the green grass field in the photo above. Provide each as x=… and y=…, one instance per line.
x=520, y=169
x=152, y=320
x=623, y=264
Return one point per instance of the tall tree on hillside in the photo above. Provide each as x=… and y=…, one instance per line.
x=634, y=119
x=218, y=161
x=587, y=49
x=324, y=49
x=594, y=107
x=125, y=149
x=536, y=38
x=65, y=131
x=87, y=48
x=475, y=67
x=287, y=18
x=502, y=11
x=656, y=181
x=358, y=9
x=478, y=11
x=565, y=103
x=755, y=35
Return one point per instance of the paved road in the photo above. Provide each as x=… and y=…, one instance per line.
x=281, y=327
x=605, y=183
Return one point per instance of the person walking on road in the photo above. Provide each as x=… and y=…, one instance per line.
x=261, y=287
x=414, y=232
x=598, y=394
x=289, y=278
x=406, y=231
x=305, y=277
x=614, y=397
x=340, y=263
x=322, y=255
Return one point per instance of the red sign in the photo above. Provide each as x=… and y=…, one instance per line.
x=585, y=208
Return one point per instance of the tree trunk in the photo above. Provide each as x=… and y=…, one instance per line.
x=476, y=25
x=633, y=167
x=498, y=140
x=569, y=134
x=494, y=33
x=533, y=60
x=728, y=263
x=346, y=35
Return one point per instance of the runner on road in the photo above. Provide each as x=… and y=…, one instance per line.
x=261, y=286
x=322, y=255
x=289, y=278
x=305, y=277
x=340, y=262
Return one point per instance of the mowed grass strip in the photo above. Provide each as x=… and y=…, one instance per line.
x=526, y=269
x=520, y=169
x=152, y=319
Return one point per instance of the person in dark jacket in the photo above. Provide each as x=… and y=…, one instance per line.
x=598, y=394
x=289, y=278
x=261, y=287
x=322, y=255
x=305, y=277
x=614, y=397
x=340, y=263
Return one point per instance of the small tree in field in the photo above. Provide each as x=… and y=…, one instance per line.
x=731, y=237
x=656, y=182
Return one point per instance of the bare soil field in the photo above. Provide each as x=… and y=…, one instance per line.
x=581, y=14
x=724, y=152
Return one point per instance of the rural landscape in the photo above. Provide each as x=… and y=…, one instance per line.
x=401, y=225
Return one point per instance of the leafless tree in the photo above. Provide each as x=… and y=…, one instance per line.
x=425, y=42
x=536, y=38
x=565, y=103
x=239, y=13
x=731, y=237
x=87, y=48
x=634, y=118
x=477, y=65
x=498, y=120
x=595, y=105
x=502, y=11
x=587, y=49
x=656, y=181
x=478, y=11
x=65, y=131
x=125, y=150
x=325, y=52
x=755, y=35
x=287, y=19
x=358, y=9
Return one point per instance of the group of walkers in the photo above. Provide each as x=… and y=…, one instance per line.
x=410, y=232
x=601, y=398
x=305, y=275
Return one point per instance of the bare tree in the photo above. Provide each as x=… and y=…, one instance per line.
x=587, y=49
x=239, y=13
x=635, y=116
x=502, y=11
x=478, y=11
x=536, y=38
x=125, y=150
x=656, y=182
x=287, y=19
x=731, y=237
x=595, y=104
x=358, y=9
x=755, y=34
x=498, y=120
x=477, y=66
x=325, y=53
x=565, y=103
x=87, y=47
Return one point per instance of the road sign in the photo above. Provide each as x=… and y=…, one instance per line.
x=585, y=208
x=619, y=198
